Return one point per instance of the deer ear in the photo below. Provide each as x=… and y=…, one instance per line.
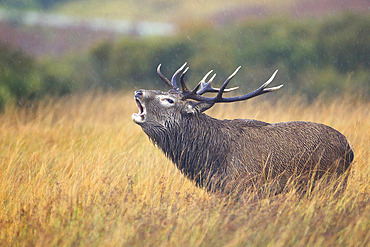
x=197, y=107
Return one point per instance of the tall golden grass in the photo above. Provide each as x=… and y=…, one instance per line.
x=78, y=172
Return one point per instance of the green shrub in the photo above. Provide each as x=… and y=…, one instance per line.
x=312, y=56
x=17, y=77
x=23, y=79
x=344, y=43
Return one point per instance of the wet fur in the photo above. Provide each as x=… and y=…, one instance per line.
x=221, y=155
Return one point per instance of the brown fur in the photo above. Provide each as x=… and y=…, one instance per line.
x=222, y=155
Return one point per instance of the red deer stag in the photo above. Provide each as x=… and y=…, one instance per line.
x=222, y=155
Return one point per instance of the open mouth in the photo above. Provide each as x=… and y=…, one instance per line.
x=140, y=116
x=140, y=106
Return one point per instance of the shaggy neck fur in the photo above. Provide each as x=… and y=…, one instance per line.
x=195, y=144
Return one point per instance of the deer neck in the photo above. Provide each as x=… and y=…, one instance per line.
x=192, y=145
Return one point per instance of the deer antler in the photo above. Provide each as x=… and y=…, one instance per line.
x=172, y=84
x=196, y=94
x=205, y=87
x=163, y=77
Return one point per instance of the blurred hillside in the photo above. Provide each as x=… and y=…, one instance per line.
x=215, y=11
x=178, y=11
x=59, y=47
x=57, y=27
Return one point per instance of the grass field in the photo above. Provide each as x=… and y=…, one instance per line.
x=78, y=172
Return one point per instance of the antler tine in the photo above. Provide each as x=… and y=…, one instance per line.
x=264, y=85
x=207, y=87
x=261, y=90
x=201, y=84
x=163, y=77
x=203, y=81
x=222, y=89
x=211, y=80
x=174, y=77
x=184, y=87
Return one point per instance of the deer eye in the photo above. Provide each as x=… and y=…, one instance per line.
x=170, y=101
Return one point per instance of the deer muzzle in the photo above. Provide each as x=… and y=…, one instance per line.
x=140, y=116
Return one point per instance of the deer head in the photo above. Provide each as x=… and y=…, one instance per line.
x=161, y=108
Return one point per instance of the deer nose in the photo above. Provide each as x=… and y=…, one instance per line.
x=139, y=94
